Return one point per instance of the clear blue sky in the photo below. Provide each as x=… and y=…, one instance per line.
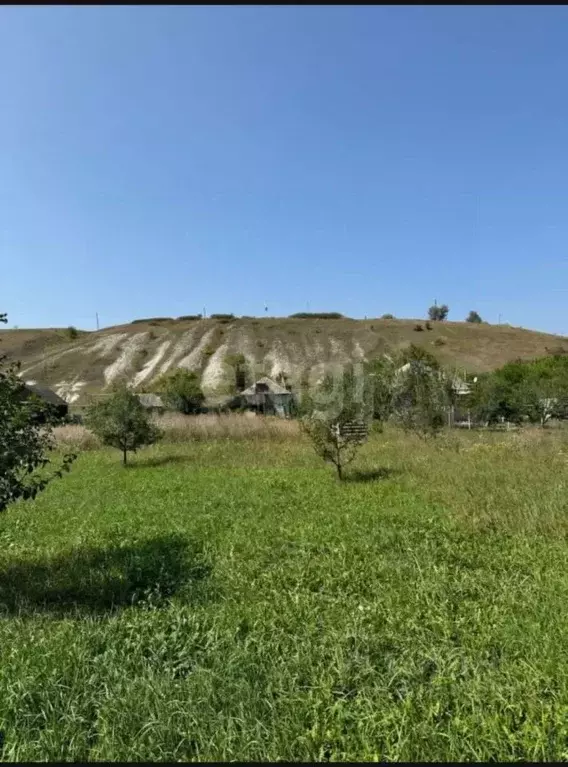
x=156, y=160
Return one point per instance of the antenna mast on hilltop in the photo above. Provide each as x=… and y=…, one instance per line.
x=97, y=316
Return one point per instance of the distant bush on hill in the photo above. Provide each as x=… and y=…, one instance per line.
x=222, y=316
x=190, y=317
x=318, y=316
x=152, y=319
x=388, y=317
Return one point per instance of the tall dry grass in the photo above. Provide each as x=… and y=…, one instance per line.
x=184, y=428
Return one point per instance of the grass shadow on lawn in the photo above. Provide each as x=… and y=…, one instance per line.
x=371, y=476
x=163, y=460
x=104, y=580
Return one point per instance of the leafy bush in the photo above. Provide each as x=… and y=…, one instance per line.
x=388, y=317
x=190, y=317
x=181, y=390
x=317, y=316
x=418, y=328
x=152, y=319
x=72, y=333
x=226, y=317
x=439, y=341
x=473, y=317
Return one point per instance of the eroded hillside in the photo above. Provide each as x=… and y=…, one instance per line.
x=138, y=353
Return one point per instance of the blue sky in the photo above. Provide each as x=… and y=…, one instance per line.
x=158, y=160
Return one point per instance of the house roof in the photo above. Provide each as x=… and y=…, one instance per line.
x=46, y=394
x=150, y=400
x=273, y=387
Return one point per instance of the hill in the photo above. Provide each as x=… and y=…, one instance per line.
x=141, y=351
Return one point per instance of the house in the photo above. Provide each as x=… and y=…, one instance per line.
x=267, y=397
x=151, y=402
x=56, y=404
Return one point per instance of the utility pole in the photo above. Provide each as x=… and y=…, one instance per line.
x=204, y=313
x=97, y=316
x=499, y=319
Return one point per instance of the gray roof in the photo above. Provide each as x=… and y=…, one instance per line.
x=273, y=387
x=46, y=394
x=150, y=400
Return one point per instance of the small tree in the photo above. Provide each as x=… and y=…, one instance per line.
x=438, y=312
x=338, y=413
x=332, y=440
x=182, y=391
x=473, y=317
x=25, y=440
x=387, y=316
x=121, y=422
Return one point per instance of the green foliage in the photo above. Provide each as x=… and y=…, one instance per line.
x=72, y=333
x=421, y=395
x=26, y=440
x=388, y=317
x=121, y=422
x=181, y=390
x=415, y=353
x=536, y=390
x=438, y=313
x=355, y=393
x=226, y=317
x=473, y=317
x=418, y=327
x=152, y=319
x=329, y=440
x=190, y=317
x=439, y=341
x=318, y=316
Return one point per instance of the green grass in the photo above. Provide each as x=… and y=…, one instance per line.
x=220, y=601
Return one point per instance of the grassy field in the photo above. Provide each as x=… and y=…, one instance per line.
x=229, y=599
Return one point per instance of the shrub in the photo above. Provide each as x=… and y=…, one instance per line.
x=72, y=333
x=418, y=327
x=317, y=316
x=190, y=317
x=181, y=390
x=439, y=341
x=388, y=317
x=428, y=326
x=152, y=319
x=473, y=317
x=225, y=317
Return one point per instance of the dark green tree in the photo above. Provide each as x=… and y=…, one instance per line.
x=182, y=391
x=121, y=421
x=421, y=395
x=26, y=439
x=438, y=312
x=473, y=317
